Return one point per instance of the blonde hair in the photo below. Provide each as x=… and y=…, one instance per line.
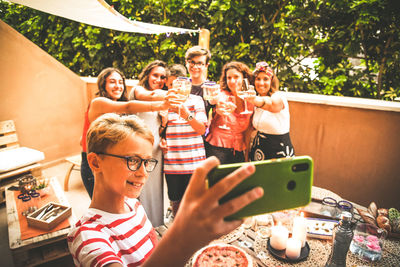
x=109, y=129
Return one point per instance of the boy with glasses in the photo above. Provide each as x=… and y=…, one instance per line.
x=197, y=60
x=115, y=230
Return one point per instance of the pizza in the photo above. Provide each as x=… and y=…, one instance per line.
x=221, y=255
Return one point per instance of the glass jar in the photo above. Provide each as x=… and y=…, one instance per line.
x=329, y=207
x=344, y=205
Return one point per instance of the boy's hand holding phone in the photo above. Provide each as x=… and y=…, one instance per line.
x=287, y=184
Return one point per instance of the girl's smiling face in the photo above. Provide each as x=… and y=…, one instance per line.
x=157, y=78
x=114, y=86
x=234, y=79
x=262, y=83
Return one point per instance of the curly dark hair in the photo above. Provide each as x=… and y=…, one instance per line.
x=101, y=83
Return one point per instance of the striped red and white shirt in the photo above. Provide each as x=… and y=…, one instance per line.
x=185, y=146
x=101, y=238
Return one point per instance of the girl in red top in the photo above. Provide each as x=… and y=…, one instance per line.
x=229, y=145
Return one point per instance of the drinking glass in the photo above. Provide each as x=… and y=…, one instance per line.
x=244, y=91
x=333, y=208
x=183, y=86
x=227, y=105
x=210, y=90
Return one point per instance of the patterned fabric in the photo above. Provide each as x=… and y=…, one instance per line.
x=263, y=67
x=101, y=238
x=185, y=145
x=269, y=146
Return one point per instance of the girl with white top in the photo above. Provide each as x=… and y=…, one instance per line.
x=271, y=117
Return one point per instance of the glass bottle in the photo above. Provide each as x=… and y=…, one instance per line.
x=342, y=236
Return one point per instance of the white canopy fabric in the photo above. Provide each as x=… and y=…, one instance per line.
x=97, y=13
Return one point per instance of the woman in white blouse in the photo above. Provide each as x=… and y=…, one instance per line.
x=271, y=117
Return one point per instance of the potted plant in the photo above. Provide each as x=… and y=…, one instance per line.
x=42, y=187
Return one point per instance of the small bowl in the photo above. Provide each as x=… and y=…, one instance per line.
x=368, y=242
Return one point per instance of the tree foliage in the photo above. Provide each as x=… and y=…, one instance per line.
x=354, y=44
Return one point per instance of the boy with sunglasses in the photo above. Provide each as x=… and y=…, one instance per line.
x=115, y=230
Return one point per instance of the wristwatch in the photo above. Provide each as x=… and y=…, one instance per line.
x=190, y=117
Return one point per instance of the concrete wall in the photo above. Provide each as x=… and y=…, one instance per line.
x=44, y=98
x=356, y=150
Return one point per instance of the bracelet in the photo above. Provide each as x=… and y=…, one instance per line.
x=151, y=106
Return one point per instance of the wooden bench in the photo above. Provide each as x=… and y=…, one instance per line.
x=15, y=160
x=75, y=165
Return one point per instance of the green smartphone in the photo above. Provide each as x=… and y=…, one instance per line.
x=287, y=184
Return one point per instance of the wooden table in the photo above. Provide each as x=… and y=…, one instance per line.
x=39, y=249
x=319, y=249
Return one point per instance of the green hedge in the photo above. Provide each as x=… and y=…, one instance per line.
x=355, y=44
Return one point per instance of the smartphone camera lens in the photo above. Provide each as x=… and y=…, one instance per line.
x=300, y=167
x=291, y=185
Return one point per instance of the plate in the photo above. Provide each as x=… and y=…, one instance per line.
x=320, y=228
x=219, y=247
x=281, y=254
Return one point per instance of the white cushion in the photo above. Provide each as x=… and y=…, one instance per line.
x=19, y=157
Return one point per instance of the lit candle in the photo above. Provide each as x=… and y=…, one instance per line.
x=293, y=248
x=279, y=236
x=300, y=229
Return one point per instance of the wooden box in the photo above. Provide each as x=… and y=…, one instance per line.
x=38, y=218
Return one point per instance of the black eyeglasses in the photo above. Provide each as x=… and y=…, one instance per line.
x=197, y=64
x=134, y=162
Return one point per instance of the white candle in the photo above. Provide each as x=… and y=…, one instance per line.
x=300, y=229
x=279, y=236
x=293, y=248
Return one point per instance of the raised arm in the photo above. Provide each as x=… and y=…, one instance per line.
x=102, y=105
x=200, y=218
x=272, y=103
x=143, y=94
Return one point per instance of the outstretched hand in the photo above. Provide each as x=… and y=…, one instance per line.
x=200, y=205
x=200, y=218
